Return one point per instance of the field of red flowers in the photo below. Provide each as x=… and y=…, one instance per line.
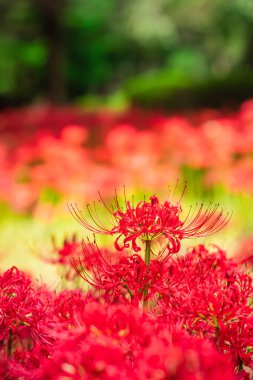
x=62, y=151
x=141, y=292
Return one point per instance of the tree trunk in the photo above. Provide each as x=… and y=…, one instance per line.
x=50, y=14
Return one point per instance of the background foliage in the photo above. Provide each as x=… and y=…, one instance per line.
x=174, y=53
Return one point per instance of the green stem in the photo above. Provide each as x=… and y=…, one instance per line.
x=9, y=346
x=147, y=261
x=147, y=252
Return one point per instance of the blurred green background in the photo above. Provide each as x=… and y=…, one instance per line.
x=163, y=53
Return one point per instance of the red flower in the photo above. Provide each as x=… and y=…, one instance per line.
x=24, y=308
x=25, y=316
x=69, y=249
x=122, y=342
x=150, y=220
x=124, y=279
x=210, y=296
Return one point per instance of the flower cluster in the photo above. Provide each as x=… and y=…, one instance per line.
x=121, y=342
x=141, y=313
x=80, y=338
x=41, y=146
x=186, y=334
x=24, y=311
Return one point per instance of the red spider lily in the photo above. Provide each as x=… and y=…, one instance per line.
x=67, y=306
x=39, y=145
x=70, y=247
x=202, y=293
x=121, y=322
x=109, y=344
x=236, y=339
x=25, y=314
x=23, y=308
x=81, y=357
x=150, y=220
x=73, y=250
x=25, y=364
x=123, y=279
x=103, y=346
x=178, y=356
x=211, y=297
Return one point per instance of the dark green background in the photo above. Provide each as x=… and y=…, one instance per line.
x=164, y=53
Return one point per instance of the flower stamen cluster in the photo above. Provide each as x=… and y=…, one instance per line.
x=149, y=220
